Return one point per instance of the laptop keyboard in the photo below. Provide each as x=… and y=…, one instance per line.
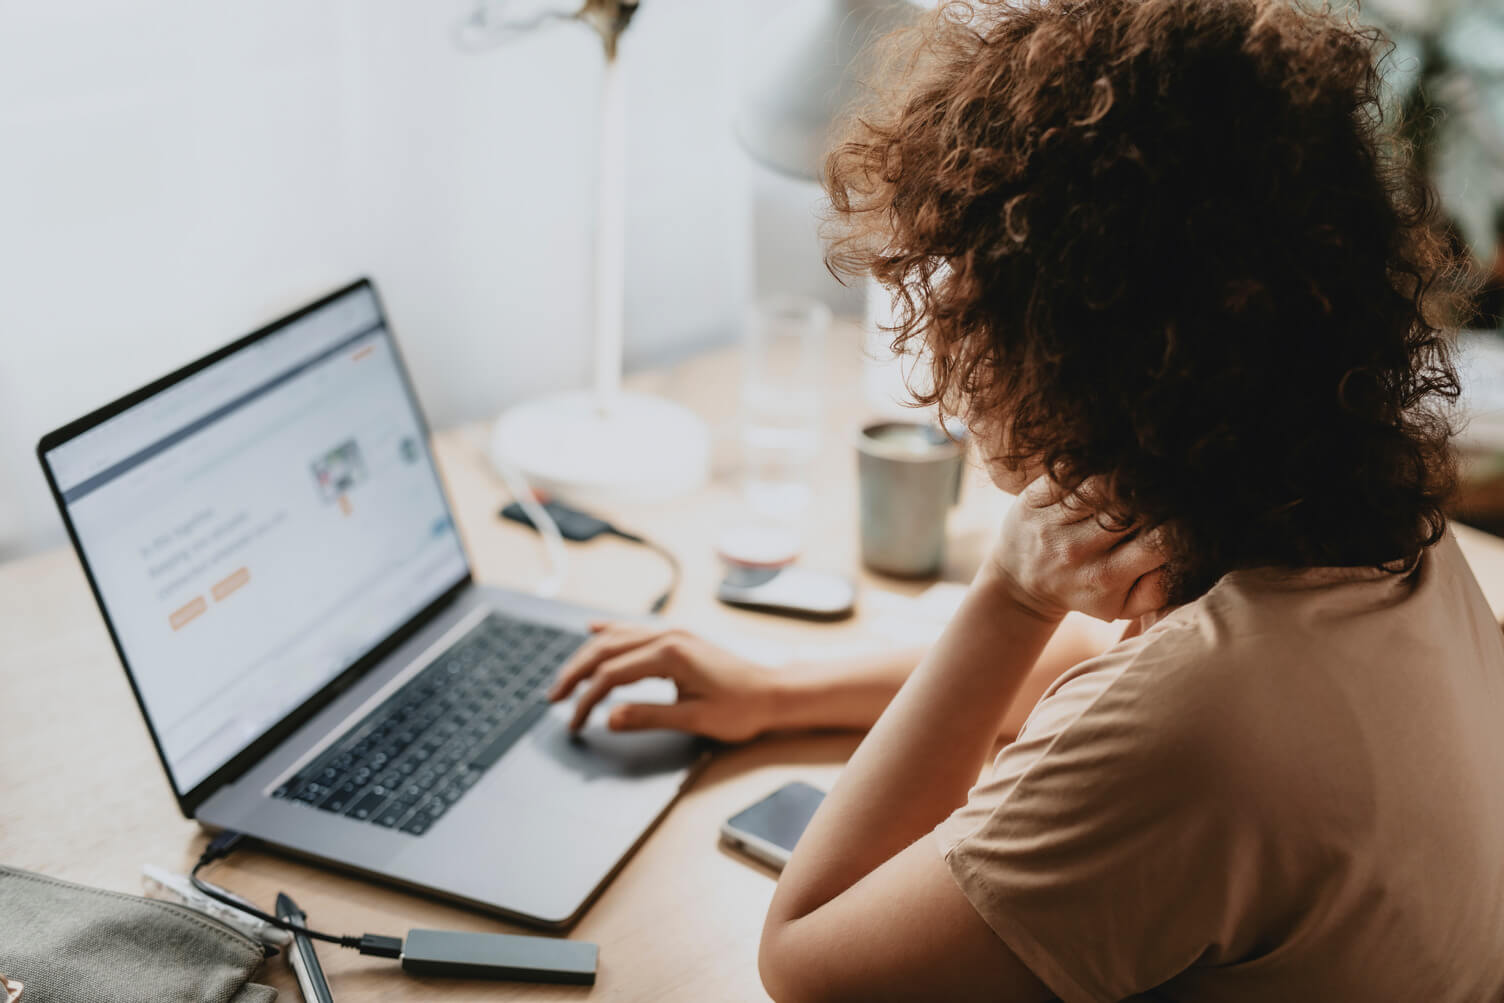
x=413, y=757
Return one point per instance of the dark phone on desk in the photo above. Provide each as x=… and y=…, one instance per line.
x=768, y=830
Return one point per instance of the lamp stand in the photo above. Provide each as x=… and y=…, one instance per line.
x=606, y=445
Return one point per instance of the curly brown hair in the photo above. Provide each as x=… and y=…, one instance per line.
x=1170, y=245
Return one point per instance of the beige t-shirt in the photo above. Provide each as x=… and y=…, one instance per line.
x=1289, y=789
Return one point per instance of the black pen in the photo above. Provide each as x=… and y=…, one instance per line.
x=305, y=963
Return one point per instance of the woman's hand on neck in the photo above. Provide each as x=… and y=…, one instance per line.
x=1053, y=556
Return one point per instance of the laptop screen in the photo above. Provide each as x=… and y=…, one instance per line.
x=257, y=527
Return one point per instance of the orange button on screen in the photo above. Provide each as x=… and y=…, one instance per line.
x=185, y=613
x=229, y=584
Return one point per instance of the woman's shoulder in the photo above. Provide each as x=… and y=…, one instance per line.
x=1243, y=675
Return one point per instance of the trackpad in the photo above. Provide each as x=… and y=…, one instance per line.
x=596, y=750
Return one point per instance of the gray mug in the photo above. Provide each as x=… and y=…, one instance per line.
x=909, y=476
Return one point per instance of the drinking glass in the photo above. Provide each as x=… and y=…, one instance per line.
x=782, y=384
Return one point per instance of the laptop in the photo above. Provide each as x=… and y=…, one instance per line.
x=271, y=547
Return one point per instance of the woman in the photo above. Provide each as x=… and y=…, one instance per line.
x=1183, y=290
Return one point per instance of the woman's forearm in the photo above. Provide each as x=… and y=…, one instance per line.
x=923, y=755
x=841, y=693
x=852, y=693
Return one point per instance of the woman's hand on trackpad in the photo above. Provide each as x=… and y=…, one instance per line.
x=720, y=695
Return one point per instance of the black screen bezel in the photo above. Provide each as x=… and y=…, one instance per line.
x=253, y=752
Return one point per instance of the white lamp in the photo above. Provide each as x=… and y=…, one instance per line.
x=604, y=444
x=810, y=77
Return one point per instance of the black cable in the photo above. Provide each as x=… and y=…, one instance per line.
x=223, y=845
x=676, y=572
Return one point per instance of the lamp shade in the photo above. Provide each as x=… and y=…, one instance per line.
x=800, y=77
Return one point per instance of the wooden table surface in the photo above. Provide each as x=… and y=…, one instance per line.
x=83, y=797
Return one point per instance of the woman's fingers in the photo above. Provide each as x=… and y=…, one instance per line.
x=650, y=716
x=639, y=663
x=1133, y=556
x=1056, y=554
x=1066, y=507
x=610, y=641
x=1132, y=574
x=1042, y=493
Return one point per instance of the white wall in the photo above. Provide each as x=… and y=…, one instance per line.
x=174, y=173
x=483, y=171
x=788, y=254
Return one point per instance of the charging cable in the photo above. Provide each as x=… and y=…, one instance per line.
x=577, y=526
x=676, y=573
x=516, y=484
x=426, y=952
x=222, y=846
x=557, y=522
x=542, y=520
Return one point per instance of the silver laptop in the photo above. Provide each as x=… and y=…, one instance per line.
x=272, y=550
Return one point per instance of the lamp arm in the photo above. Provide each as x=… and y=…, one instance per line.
x=610, y=237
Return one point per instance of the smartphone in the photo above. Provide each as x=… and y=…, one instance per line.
x=768, y=830
x=791, y=591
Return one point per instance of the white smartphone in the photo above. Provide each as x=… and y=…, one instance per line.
x=768, y=830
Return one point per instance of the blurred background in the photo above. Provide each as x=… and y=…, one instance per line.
x=1446, y=88
x=176, y=173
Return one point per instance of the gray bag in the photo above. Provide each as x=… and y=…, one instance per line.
x=72, y=944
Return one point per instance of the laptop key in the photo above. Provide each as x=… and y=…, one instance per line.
x=486, y=757
x=340, y=799
x=391, y=815
x=311, y=793
x=418, y=824
x=367, y=806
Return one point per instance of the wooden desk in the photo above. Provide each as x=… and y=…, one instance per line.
x=82, y=795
